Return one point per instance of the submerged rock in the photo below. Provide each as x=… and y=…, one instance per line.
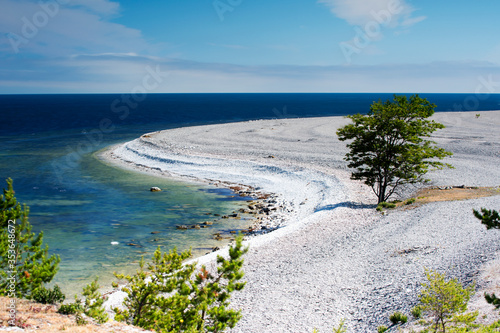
x=155, y=189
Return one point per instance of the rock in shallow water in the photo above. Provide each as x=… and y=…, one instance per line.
x=155, y=189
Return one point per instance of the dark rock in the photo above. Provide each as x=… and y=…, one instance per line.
x=182, y=227
x=155, y=189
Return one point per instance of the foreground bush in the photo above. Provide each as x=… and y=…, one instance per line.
x=91, y=306
x=174, y=297
x=445, y=301
x=25, y=264
x=398, y=317
x=48, y=296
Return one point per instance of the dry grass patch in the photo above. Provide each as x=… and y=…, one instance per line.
x=447, y=193
x=35, y=317
x=451, y=193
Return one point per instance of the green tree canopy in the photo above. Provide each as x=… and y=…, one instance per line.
x=25, y=264
x=388, y=148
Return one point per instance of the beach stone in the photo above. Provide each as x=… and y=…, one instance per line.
x=155, y=189
x=182, y=227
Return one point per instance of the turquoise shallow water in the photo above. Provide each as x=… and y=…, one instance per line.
x=89, y=206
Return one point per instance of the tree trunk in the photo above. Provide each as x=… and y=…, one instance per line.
x=381, y=191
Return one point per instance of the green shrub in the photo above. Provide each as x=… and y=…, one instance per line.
x=172, y=297
x=410, y=201
x=417, y=312
x=341, y=328
x=387, y=205
x=92, y=306
x=445, y=301
x=69, y=309
x=48, y=296
x=398, y=317
x=23, y=257
x=382, y=329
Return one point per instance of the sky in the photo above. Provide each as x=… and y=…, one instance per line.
x=172, y=46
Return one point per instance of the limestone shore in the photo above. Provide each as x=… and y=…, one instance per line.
x=333, y=256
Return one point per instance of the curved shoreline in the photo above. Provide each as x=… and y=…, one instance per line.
x=334, y=259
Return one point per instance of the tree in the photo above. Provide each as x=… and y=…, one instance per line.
x=176, y=297
x=445, y=301
x=25, y=264
x=388, y=149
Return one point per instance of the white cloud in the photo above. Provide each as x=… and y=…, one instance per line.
x=359, y=12
x=80, y=26
x=120, y=73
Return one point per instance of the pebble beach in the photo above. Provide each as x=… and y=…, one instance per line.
x=331, y=255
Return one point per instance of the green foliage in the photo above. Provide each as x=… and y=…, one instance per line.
x=492, y=299
x=489, y=217
x=72, y=308
x=48, y=296
x=92, y=306
x=387, y=205
x=388, y=149
x=382, y=329
x=341, y=328
x=417, y=312
x=24, y=259
x=80, y=320
x=410, y=201
x=445, y=301
x=398, y=317
x=172, y=297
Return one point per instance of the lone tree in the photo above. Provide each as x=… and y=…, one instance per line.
x=388, y=149
x=25, y=264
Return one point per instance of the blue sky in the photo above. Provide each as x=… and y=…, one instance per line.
x=158, y=46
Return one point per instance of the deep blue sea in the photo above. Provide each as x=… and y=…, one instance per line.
x=48, y=145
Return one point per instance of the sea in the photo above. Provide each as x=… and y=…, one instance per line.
x=100, y=219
